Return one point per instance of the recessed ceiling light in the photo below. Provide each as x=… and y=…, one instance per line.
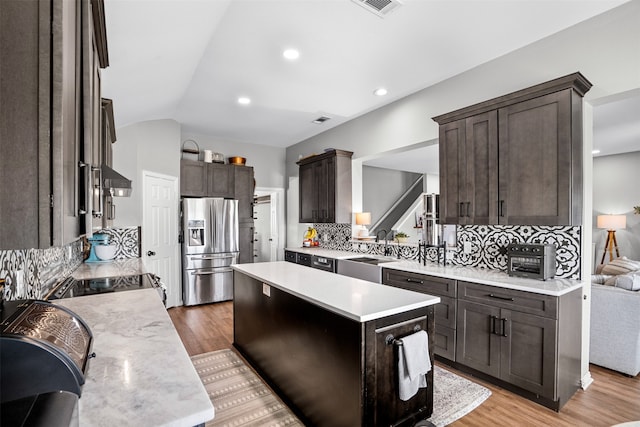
x=321, y=119
x=291, y=54
x=595, y=152
x=380, y=91
x=244, y=100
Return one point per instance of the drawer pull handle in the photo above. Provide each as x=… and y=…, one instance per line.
x=499, y=297
x=415, y=281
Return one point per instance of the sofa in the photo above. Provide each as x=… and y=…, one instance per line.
x=615, y=317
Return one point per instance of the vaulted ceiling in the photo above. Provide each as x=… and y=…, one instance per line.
x=190, y=60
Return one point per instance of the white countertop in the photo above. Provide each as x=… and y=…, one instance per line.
x=120, y=267
x=553, y=287
x=142, y=374
x=352, y=298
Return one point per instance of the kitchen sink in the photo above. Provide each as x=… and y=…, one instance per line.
x=365, y=268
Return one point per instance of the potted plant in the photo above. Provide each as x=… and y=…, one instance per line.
x=402, y=237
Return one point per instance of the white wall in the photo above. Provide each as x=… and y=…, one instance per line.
x=153, y=146
x=267, y=162
x=381, y=188
x=616, y=190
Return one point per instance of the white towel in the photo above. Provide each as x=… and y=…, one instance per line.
x=413, y=364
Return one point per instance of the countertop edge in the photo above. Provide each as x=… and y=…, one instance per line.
x=427, y=301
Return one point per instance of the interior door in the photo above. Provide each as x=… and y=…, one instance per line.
x=160, y=248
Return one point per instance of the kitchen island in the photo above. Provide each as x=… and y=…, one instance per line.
x=142, y=374
x=328, y=344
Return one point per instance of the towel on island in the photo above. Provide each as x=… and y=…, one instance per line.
x=413, y=364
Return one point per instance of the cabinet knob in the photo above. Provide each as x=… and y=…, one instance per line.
x=150, y=253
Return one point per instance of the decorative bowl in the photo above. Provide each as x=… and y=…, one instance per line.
x=237, y=160
x=105, y=252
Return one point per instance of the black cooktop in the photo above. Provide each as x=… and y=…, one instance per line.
x=80, y=287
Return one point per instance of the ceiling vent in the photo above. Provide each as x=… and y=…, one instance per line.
x=321, y=119
x=379, y=7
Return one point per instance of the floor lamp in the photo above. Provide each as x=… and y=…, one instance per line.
x=611, y=223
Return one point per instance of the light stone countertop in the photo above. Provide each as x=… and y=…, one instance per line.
x=553, y=287
x=355, y=299
x=119, y=267
x=142, y=374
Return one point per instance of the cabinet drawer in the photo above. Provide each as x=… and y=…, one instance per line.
x=525, y=302
x=304, y=259
x=419, y=282
x=444, y=342
x=290, y=256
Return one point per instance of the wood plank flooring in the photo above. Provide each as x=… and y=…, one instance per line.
x=612, y=398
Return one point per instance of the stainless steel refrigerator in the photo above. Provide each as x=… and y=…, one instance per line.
x=209, y=247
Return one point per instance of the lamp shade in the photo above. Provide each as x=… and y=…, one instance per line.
x=363, y=218
x=612, y=222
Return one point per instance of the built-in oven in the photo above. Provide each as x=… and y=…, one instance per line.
x=535, y=261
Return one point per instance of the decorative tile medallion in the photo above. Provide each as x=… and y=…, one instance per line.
x=126, y=239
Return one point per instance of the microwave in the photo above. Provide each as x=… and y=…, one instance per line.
x=535, y=261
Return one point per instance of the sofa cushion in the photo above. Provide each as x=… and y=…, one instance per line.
x=600, y=279
x=622, y=265
x=629, y=281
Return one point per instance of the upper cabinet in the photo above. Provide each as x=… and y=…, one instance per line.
x=43, y=122
x=200, y=179
x=516, y=159
x=325, y=187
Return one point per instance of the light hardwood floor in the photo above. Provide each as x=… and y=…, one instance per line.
x=613, y=398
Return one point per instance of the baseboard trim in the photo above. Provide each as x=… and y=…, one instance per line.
x=586, y=380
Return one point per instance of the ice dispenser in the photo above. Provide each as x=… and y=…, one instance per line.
x=196, y=232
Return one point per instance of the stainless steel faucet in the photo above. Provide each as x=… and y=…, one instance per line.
x=386, y=248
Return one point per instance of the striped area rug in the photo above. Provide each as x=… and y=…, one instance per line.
x=241, y=398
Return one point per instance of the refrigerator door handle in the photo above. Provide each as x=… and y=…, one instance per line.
x=195, y=258
x=216, y=271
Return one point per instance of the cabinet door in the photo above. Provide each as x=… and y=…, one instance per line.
x=244, y=186
x=220, y=180
x=193, y=178
x=535, y=167
x=528, y=352
x=327, y=189
x=308, y=193
x=481, y=171
x=452, y=173
x=246, y=239
x=477, y=343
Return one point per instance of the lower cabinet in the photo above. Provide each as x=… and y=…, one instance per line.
x=515, y=347
x=445, y=311
x=526, y=340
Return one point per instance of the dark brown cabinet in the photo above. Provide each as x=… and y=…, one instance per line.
x=200, y=179
x=350, y=367
x=516, y=159
x=45, y=124
x=525, y=340
x=469, y=178
x=325, y=187
x=445, y=311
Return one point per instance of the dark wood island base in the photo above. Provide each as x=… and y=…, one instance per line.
x=331, y=370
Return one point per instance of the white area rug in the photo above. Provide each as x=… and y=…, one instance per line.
x=454, y=397
x=242, y=399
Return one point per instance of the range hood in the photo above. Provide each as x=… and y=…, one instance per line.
x=116, y=184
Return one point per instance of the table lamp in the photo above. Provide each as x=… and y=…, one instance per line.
x=363, y=219
x=611, y=223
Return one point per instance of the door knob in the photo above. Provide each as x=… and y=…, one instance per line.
x=150, y=253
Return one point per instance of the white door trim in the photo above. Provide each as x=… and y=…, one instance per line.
x=277, y=194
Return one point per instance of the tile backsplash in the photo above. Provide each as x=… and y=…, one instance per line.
x=31, y=273
x=488, y=245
